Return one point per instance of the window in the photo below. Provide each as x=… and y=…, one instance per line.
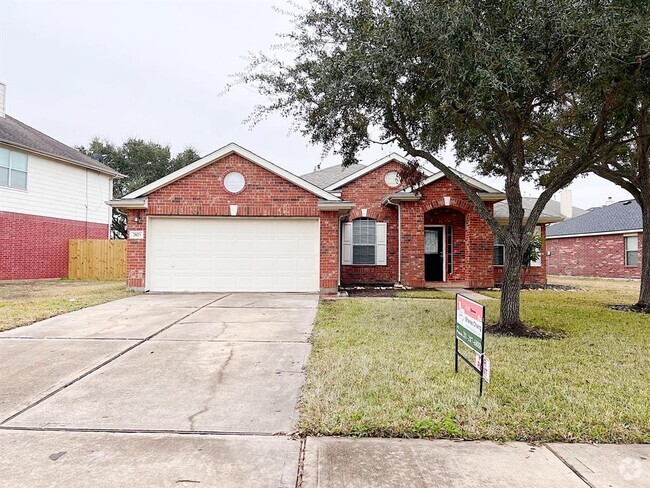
x=13, y=169
x=538, y=262
x=499, y=251
x=364, y=240
x=392, y=179
x=631, y=250
x=450, y=252
x=234, y=182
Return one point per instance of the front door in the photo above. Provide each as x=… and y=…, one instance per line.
x=433, y=255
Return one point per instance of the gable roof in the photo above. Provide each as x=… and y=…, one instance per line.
x=471, y=181
x=17, y=134
x=556, y=207
x=549, y=215
x=615, y=218
x=220, y=153
x=367, y=169
x=323, y=178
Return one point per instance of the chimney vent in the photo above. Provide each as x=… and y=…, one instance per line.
x=566, y=203
x=3, y=92
x=609, y=201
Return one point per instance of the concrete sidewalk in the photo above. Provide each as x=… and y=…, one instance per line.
x=331, y=462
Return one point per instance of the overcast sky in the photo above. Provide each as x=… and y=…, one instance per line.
x=157, y=69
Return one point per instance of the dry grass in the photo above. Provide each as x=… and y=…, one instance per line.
x=385, y=368
x=25, y=302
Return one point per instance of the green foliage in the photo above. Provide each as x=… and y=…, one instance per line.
x=142, y=162
x=495, y=78
x=533, y=251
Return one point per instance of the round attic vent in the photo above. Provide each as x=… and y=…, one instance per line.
x=234, y=182
x=392, y=179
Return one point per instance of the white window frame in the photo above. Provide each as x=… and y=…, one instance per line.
x=627, y=251
x=10, y=169
x=347, y=244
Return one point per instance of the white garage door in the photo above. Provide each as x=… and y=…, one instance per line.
x=225, y=254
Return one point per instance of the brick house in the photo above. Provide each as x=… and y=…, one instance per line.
x=49, y=193
x=604, y=242
x=233, y=221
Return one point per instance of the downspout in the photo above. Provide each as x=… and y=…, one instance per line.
x=341, y=217
x=399, y=239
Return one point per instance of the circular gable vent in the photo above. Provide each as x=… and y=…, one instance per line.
x=234, y=182
x=392, y=179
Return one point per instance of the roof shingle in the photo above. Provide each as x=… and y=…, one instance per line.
x=15, y=133
x=617, y=217
x=327, y=176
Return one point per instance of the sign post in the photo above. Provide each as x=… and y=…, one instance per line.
x=470, y=330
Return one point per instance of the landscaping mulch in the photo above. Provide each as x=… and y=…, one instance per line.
x=630, y=308
x=371, y=292
x=540, y=286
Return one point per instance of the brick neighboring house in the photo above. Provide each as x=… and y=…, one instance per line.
x=605, y=242
x=233, y=221
x=49, y=193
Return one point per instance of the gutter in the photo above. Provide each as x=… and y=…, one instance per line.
x=109, y=172
x=331, y=205
x=128, y=203
x=595, y=234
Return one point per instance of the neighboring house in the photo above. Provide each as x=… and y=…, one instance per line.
x=604, y=242
x=233, y=221
x=49, y=193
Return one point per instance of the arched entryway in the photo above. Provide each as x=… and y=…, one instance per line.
x=444, y=245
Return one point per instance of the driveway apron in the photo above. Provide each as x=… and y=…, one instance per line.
x=130, y=376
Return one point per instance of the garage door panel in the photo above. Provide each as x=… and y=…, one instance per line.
x=244, y=254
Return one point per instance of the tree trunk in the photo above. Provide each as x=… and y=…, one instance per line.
x=510, y=320
x=644, y=294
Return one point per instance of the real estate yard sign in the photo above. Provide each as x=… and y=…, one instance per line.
x=470, y=330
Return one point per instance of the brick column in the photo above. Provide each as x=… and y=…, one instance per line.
x=136, y=251
x=479, y=252
x=412, y=245
x=329, y=251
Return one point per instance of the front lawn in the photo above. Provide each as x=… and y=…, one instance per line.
x=385, y=368
x=25, y=302
x=433, y=294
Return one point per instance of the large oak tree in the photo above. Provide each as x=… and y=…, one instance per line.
x=490, y=76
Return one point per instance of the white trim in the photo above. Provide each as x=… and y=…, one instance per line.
x=225, y=151
x=471, y=181
x=444, y=252
x=128, y=203
x=20, y=147
x=596, y=234
x=340, y=205
x=371, y=167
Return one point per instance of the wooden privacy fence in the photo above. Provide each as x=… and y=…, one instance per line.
x=97, y=259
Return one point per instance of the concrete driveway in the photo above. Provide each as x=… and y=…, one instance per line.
x=170, y=390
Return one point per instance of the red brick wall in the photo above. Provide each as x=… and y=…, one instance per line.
x=597, y=256
x=478, y=245
x=34, y=247
x=265, y=195
x=369, y=192
x=534, y=274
